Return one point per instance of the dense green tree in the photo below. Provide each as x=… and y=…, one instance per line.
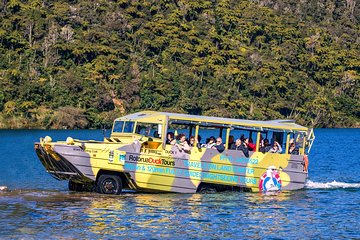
x=91, y=61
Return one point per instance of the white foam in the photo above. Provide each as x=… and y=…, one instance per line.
x=330, y=185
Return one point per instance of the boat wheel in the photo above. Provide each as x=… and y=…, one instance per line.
x=109, y=184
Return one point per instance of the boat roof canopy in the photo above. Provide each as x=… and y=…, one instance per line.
x=187, y=119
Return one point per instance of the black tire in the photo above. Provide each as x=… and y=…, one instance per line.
x=109, y=184
x=207, y=190
x=74, y=186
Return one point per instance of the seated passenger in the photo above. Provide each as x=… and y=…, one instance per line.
x=242, y=137
x=156, y=134
x=170, y=138
x=210, y=142
x=293, y=149
x=219, y=145
x=192, y=141
x=241, y=146
x=198, y=142
x=181, y=143
x=237, y=144
x=251, y=146
x=276, y=148
x=261, y=142
x=265, y=146
x=231, y=142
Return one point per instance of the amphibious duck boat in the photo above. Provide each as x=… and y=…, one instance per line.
x=139, y=156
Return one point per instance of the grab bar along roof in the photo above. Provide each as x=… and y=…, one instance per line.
x=286, y=125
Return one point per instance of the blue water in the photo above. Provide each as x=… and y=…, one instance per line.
x=39, y=206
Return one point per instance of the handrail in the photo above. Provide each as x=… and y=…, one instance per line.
x=310, y=139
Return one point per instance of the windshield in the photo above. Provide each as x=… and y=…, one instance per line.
x=122, y=126
x=118, y=126
x=129, y=127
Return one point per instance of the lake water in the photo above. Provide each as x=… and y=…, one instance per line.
x=39, y=206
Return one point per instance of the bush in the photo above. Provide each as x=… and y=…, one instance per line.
x=69, y=118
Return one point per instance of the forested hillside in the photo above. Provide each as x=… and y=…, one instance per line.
x=80, y=64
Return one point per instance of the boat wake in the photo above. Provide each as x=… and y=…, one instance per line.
x=330, y=185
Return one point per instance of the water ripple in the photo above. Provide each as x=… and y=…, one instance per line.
x=40, y=207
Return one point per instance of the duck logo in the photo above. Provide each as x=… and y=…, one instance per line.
x=270, y=180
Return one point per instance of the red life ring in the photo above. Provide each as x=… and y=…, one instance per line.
x=305, y=163
x=270, y=180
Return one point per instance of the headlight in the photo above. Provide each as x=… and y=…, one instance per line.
x=69, y=141
x=47, y=139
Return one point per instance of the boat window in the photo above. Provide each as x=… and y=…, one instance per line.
x=273, y=136
x=177, y=129
x=238, y=133
x=279, y=137
x=129, y=127
x=299, y=141
x=118, y=126
x=148, y=129
x=298, y=138
x=206, y=132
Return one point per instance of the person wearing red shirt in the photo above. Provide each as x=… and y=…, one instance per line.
x=251, y=146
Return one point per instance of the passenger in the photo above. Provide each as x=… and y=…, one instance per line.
x=170, y=138
x=237, y=144
x=156, y=134
x=210, y=142
x=241, y=146
x=265, y=146
x=231, y=142
x=261, y=142
x=293, y=149
x=181, y=143
x=219, y=145
x=251, y=146
x=198, y=142
x=192, y=141
x=242, y=137
x=276, y=148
